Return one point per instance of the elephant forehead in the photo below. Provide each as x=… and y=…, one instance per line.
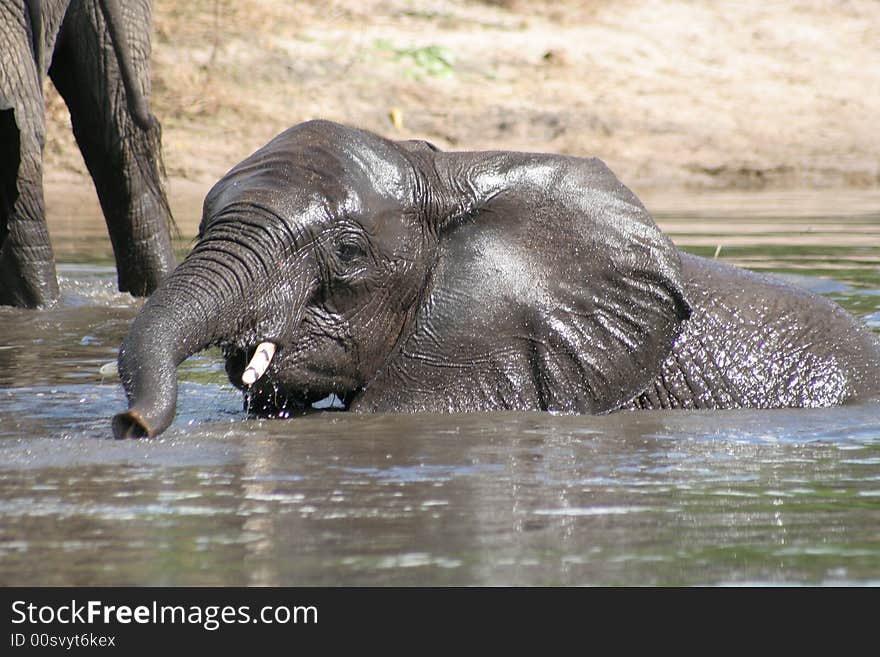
x=267, y=194
x=294, y=186
x=283, y=191
x=330, y=154
x=383, y=174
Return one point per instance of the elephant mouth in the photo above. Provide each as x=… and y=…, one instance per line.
x=279, y=405
x=273, y=400
x=274, y=388
x=272, y=403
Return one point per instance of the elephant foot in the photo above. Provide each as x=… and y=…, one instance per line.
x=141, y=276
x=37, y=287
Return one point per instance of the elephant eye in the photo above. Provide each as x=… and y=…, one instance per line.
x=349, y=251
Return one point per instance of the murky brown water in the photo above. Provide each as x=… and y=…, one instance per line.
x=504, y=498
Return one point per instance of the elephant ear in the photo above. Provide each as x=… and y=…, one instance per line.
x=553, y=290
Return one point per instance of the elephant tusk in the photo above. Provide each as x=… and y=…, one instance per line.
x=259, y=363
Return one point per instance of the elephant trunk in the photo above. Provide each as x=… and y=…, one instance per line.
x=193, y=310
x=152, y=388
x=228, y=290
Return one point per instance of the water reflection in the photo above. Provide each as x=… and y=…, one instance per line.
x=501, y=498
x=513, y=498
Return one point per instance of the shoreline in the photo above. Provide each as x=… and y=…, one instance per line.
x=74, y=215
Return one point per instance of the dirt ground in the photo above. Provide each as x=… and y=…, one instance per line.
x=673, y=95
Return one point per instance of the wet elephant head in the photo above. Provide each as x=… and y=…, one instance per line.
x=402, y=278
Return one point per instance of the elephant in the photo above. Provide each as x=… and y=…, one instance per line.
x=403, y=278
x=97, y=54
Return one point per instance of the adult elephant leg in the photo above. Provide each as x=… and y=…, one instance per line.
x=27, y=264
x=121, y=149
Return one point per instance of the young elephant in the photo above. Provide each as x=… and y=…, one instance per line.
x=402, y=278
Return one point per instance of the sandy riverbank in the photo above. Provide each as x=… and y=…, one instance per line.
x=674, y=95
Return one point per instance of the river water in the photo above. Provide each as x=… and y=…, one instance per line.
x=633, y=498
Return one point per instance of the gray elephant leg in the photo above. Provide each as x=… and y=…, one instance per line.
x=27, y=266
x=122, y=155
x=27, y=269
